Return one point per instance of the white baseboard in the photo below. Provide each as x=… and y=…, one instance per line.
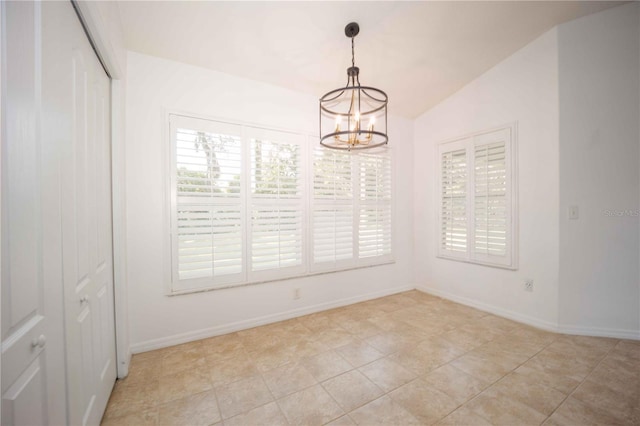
x=534, y=322
x=204, y=333
x=599, y=332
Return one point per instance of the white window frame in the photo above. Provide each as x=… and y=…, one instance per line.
x=469, y=142
x=249, y=131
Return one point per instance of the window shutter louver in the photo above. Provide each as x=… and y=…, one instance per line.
x=491, y=209
x=277, y=205
x=476, y=221
x=239, y=200
x=374, y=216
x=332, y=209
x=453, y=231
x=332, y=234
x=207, y=220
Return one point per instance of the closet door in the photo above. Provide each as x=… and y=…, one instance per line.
x=86, y=230
x=33, y=366
x=58, y=339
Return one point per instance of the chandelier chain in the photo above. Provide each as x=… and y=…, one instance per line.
x=353, y=53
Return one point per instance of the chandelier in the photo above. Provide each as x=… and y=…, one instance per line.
x=354, y=116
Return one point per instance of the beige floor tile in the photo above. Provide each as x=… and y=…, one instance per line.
x=139, y=418
x=456, y=383
x=618, y=377
x=460, y=354
x=342, y=421
x=183, y=384
x=288, y=378
x=316, y=322
x=241, y=396
x=629, y=349
x=144, y=369
x=388, y=342
x=334, y=337
x=562, y=376
x=187, y=357
x=265, y=415
x=588, y=351
x=311, y=406
x=194, y=410
x=383, y=411
x=480, y=367
x=352, y=389
x=464, y=417
x=359, y=353
x=326, y=365
x=231, y=369
x=439, y=349
x=131, y=397
x=528, y=391
x=361, y=328
x=606, y=400
x=270, y=358
x=574, y=412
x=386, y=374
x=223, y=347
x=424, y=401
x=504, y=355
x=415, y=361
x=501, y=409
x=464, y=339
x=497, y=323
x=303, y=348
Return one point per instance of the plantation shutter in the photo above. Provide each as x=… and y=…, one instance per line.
x=207, y=205
x=276, y=204
x=374, y=215
x=492, y=197
x=332, y=210
x=476, y=199
x=453, y=207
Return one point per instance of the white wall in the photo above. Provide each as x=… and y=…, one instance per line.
x=599, y=172
x=156, y=320
x=523, y=89
x=575, y=93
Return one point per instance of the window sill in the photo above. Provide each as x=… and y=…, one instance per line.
x=478, y=262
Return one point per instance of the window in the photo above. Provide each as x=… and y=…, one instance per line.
x=276, y=203
x=351, y=209
x=477, y=199
x=239, y=206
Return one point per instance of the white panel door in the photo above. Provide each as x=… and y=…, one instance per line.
x=33, y=373
x=86, y=231
x=57, y=280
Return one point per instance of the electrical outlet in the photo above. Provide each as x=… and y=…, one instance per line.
x=296, y=293
x=528, y=285
x=573, y=213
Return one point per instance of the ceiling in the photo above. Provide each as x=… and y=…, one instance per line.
x=418, y=52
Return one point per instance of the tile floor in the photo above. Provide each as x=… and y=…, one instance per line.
x=409, y=358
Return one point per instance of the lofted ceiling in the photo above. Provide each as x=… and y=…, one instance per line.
x=418, y=52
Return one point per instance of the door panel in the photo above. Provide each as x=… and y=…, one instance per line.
x=33, y=374
x=58, y=339
x=24, y=403
x=86, y=231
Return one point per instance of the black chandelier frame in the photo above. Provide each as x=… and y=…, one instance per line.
x=356, y=138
